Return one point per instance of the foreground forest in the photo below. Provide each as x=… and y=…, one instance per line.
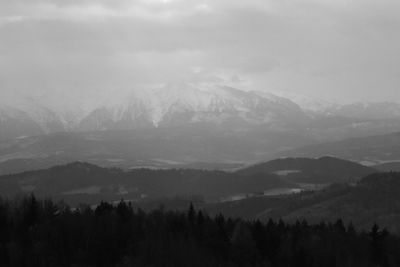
x=41, y=233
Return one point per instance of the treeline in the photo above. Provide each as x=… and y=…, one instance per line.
x=41, y=233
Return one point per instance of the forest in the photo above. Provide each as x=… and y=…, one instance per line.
x=35, y=232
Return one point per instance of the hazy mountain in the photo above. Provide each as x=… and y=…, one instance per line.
x=357, y=110
x=180, y=125
x=28, y=117
x=370, y=150
x=174, y=105
x=306, y=170
x=200, y=146
x=163, y=106
x=179, y=104
x=309, y=104
x=384, y=110
x=14, y=123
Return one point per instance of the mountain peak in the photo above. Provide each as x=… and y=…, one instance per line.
x=189, y=103
x=177, y=104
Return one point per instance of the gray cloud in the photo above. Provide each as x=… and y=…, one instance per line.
x=337, y=49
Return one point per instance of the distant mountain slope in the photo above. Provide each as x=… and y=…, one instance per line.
x=370, y=150
x=154, y=148
x=169, y=105
x=181, y=125
x=15, y=123
x=177, y=104
x=306, y=170
x=375, y=199
x=86, y=182
x=180, y=104
x=379, y=110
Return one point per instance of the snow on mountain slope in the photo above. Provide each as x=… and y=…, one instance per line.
x=308, y=103
x=48, y=120
x=44, y=115
x=186, y=103
x=176, y=105
x=30, y=110
x=163, y=105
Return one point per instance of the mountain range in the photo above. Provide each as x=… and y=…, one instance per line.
x=174, y=105
x=162, y=106
x=185, y=126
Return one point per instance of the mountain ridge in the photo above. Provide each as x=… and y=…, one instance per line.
x=155, y=106
x=178, y=104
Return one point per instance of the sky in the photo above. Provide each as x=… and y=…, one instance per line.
x=340, y=50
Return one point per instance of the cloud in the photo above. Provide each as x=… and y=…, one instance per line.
x=342, y=49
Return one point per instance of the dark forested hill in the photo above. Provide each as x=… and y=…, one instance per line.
x=89, y=183
x=39, y=233
x=84, y=182
x=308, y=170
x=376, y=198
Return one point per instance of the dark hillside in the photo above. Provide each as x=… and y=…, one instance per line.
x=375, y=199
x=83, y=182
x=39, y=233
x=307, y=170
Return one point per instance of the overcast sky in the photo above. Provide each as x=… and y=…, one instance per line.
x=347, y=50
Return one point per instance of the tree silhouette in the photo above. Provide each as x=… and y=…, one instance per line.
x=41, y=233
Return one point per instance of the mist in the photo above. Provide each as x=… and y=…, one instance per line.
x=66, y=51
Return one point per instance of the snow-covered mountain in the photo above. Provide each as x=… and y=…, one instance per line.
x=356, y=110
x=180, y=123
x=184, y=103
x=28, y=117
x=181, y=104
x=307, y=103
x=161, y=106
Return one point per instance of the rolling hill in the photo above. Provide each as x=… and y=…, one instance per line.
x=374, y=199
x=307, y=170
x=82, y=182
